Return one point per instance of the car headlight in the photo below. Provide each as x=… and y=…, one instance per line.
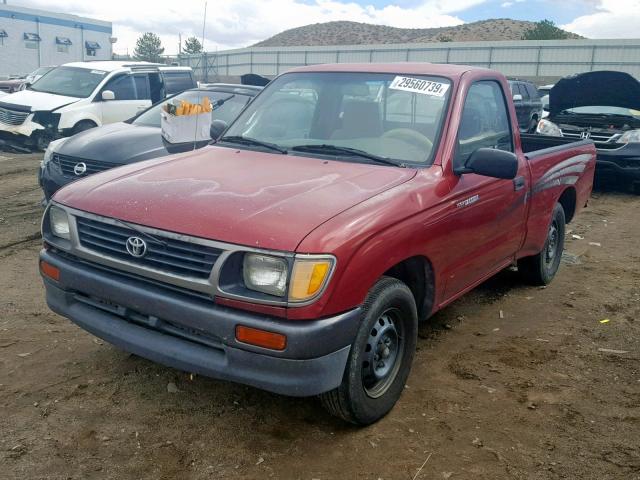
x=630, y=136
x=266, y=274
x=545, y=127
x=270, y=275
x=48, y=153
x=59, y=222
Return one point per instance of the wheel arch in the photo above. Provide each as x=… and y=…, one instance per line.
x=568, y=201
x=418, y=274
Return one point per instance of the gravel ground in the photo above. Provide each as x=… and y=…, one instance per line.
x=509, y=382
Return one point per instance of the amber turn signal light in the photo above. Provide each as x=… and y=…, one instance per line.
x=49, y=270
x=261, y=338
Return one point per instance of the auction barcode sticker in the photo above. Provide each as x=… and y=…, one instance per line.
x=417, y=85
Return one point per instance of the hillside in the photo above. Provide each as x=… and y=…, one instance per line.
x=354, y=33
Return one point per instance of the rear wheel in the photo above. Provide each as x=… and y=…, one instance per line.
x=533, y=125
x=541, y=268
x=380, y=357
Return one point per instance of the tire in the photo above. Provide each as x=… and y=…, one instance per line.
x=83, y=125
x=533, y=125
x=388, y=334
x=541, y=268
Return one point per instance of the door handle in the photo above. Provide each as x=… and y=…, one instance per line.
x=518, y=183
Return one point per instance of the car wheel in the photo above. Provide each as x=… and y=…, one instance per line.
x=380, y=357
x=83, y=125
x=541, y=268
x=533, y=125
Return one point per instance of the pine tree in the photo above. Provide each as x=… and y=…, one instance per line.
x=192, y=45
x=149, y=48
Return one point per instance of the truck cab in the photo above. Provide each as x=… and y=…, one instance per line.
x=344, y=205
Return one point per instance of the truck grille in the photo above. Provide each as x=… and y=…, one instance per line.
x=174, y=256
x=12, y=117
x=68, y=164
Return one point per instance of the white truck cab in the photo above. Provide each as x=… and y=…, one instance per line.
x=82, y=95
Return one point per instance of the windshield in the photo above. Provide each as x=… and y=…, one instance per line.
x=382, y=115
x=602, y=110
x=69, y=81
x=227, y=112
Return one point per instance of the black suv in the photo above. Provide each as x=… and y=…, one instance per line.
x=528, y=104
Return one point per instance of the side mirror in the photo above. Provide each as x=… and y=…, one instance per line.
x=108, y=95
x=517, y=97
x=217, y=128
x=491, y=162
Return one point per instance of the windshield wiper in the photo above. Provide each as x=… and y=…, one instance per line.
x=221, y=102
x=239, y=139
x=354, y=152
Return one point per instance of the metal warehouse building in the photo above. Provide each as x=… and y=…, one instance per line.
x=33, y=38
x=544, y=61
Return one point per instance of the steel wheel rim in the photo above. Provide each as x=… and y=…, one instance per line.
x=553, y=240
x=383, y=353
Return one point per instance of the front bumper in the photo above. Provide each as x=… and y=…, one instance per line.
x=196, y=335
x=51, y=179
x=623, y=162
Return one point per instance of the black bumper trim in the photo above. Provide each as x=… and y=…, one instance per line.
x=312, y=363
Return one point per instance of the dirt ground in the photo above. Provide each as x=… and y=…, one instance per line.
x=509, y=382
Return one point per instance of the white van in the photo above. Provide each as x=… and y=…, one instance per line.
x=81, y=95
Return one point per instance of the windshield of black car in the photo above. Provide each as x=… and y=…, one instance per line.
x=227, y=112
x=603, y=110
x=393, y=116
x=69, y=81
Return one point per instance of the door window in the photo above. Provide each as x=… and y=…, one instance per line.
x=485, y=122
x=523, y=91
x=177, y=82
x=141, y=81
x=123, y=87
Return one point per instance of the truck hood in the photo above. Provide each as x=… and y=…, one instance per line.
x=603, y=88
x=237, y=196
x=120, y=143
x=38, y=101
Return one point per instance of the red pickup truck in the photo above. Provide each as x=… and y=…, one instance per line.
x=298, y=254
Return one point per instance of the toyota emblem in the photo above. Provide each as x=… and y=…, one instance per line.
x=136, y=247
x=80, y=168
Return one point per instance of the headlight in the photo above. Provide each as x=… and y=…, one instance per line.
x=59, y=222
x=266, y=274
x=308, y=278
x=630, y=136
x=48, y=153
x=545, y=127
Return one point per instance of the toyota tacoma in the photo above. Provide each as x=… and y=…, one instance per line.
x=344, y=205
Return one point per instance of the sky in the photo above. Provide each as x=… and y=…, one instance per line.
x=240, y=23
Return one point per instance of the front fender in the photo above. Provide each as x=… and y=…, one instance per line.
x=70, y=119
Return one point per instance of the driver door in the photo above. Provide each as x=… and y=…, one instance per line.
x=485, y=216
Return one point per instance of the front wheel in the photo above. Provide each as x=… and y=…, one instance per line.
x=380, y=357
x=83, y=125
x=541, y=268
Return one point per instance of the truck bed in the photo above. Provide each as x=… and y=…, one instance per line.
x=614, y=160
x=534, y=145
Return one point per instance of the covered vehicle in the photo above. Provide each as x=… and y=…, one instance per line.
x=297, y=254
x=139, y=138
x=602, y=106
